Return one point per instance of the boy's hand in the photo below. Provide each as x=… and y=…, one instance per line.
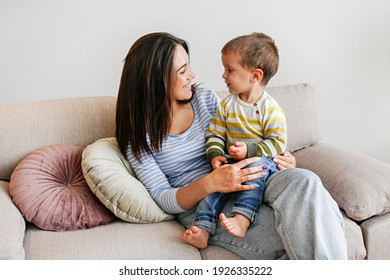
x=218, y=161
x=238, y=151
x=285, y=160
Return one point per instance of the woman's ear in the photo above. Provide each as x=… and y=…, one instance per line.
x=257, y=75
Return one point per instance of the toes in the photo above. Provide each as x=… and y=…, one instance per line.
x=194, y=229
x=187, y=234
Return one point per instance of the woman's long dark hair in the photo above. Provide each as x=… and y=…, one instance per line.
x=144, y=98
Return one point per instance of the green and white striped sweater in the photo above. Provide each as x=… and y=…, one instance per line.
x=262, y=126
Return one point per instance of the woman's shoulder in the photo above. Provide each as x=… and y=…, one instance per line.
x=205, y=92
x=206, y=95
x=205, y=100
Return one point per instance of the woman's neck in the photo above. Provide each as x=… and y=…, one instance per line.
x=182, y=117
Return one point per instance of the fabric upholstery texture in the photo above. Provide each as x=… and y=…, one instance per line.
x=115, y=241
x=12, y=227
x=218, y=253
x=112, y=180
x=77, y=121
x=355, y=242
x=50, y=191
x=376, y=232
x=360, y=191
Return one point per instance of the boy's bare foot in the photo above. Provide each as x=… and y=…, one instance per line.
x=237, y=225
x=197, y=237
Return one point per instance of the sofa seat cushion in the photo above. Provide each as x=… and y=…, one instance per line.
x=355, y=242
x=359, y=184
x=115, y=241
x=113, y=181
x=376, y=232
x=49, y=189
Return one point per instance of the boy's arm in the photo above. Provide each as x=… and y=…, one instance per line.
x=275, y=134
x=238, y=150
x=216, y=135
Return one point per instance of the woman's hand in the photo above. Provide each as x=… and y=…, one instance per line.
x=229, y=177
x=285, y=160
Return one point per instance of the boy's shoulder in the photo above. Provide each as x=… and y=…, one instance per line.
x=229, y=99
x=227, y=102
x=269, y=100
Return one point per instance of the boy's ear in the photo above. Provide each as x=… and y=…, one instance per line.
x=257, y=75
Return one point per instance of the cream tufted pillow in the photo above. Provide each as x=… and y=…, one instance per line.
x=112, y=180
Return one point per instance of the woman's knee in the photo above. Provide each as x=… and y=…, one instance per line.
x=300, y=174
x=295, y=180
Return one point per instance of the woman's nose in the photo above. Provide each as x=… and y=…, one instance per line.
x=192, y=74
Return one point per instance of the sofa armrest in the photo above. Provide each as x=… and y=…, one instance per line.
x=12, y=227
x=359, y=184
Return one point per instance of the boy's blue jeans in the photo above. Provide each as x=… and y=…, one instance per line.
x=247, y=203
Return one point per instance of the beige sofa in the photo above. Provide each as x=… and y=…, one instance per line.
x=359, y=184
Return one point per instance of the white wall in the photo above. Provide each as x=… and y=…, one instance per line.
x=57, y=49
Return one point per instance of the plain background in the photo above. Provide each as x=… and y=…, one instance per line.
x=53, y=49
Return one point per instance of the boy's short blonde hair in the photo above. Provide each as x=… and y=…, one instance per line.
x=256, y=50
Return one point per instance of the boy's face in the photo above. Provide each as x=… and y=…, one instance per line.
x=237, y=78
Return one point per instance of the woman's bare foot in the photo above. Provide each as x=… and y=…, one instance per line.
x=197, y=237
x=237, y=225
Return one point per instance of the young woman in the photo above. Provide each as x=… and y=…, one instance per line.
x=161, y=120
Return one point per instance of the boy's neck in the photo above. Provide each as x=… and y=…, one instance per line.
x=253, y=96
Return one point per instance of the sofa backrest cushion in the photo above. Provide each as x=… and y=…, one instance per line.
x=27, y=127
x=82, y=121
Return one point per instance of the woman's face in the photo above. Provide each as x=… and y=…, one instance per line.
x=183, y=75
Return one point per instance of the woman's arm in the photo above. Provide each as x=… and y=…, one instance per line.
x=285, y=160
x=153, y=178
x=228, y=178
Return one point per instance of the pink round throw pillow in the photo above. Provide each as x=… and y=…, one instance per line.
x=50, y=191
